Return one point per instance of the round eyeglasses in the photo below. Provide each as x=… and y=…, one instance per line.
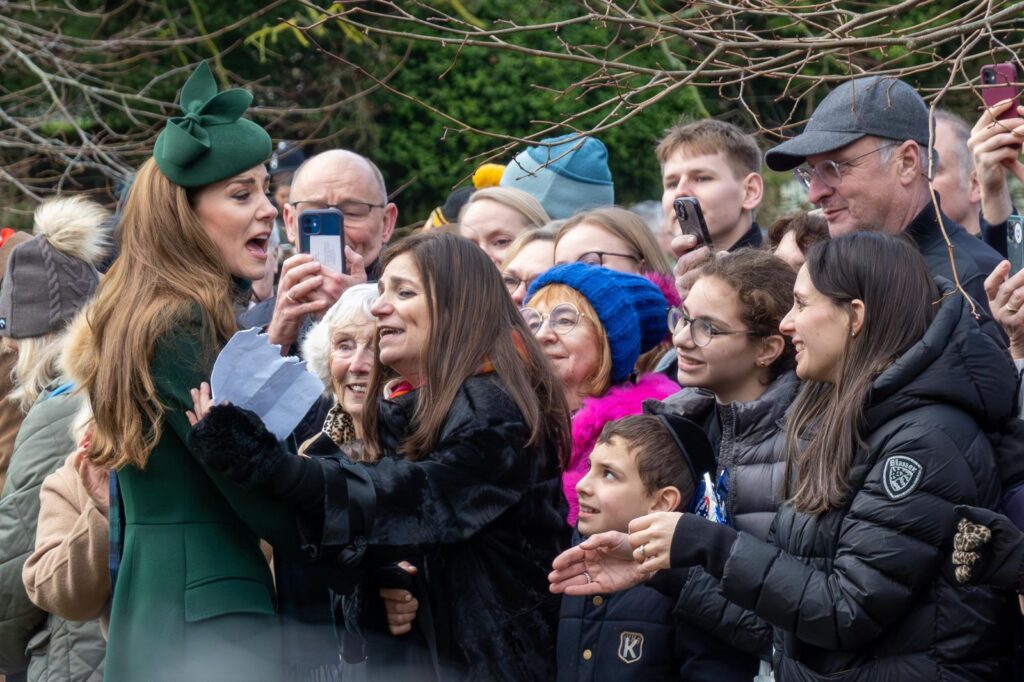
x=562, y=319
x=701, y=331
x=830, y=172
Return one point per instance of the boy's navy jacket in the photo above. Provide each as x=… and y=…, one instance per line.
x=628, y=635
x=632, y=635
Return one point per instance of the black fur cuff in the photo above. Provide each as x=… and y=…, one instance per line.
x=235, y=443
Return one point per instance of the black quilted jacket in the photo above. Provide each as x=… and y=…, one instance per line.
x=867, y=592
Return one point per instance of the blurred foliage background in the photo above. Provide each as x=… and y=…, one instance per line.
x=110, y=70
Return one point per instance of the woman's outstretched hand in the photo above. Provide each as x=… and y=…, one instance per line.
x=202, y=401
x=651, y=539
x=600, y=564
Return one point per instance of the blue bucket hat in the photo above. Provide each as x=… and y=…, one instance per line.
x=566, y=177
x=631, y=309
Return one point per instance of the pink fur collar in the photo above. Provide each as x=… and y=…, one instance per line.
x=620, y=401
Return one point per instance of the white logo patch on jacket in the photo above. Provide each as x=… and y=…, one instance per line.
x=901, y=476
x=631, y=647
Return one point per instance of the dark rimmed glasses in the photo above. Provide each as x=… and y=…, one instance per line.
x=352, y=210
x=597, y=257
x=562, y=319
x=512, y=283
x=830, y=172
x=701, y=331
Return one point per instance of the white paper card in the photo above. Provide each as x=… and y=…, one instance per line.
x=250, y=372
x=326, y=250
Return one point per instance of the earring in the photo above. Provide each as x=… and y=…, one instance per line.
x=853, y=334
x=762, y=363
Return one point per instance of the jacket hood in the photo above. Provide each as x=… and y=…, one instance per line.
x=954, y=363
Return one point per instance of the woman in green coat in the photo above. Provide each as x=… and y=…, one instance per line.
x=194, y=597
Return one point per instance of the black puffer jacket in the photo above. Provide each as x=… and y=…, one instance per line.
x=867, y=592
x=751, y=448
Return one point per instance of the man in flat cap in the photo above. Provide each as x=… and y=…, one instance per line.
x=863, y=158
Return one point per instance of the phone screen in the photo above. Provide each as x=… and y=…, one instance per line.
x=322, y=235
x=1015, y=243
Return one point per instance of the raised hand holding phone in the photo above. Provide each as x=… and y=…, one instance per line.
x=322, y=235
x=693, y=246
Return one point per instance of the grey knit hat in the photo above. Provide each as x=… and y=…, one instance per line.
x=52, y=276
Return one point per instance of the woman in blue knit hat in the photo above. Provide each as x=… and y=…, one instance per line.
x=194, y=598
x=593, y=324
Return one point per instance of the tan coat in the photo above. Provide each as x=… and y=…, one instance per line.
x=68, y=573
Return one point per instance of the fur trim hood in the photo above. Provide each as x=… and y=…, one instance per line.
x=620, y=401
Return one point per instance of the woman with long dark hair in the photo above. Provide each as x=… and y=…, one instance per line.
x=460, y=475
x=887, y=436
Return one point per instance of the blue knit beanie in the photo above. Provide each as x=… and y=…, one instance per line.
x=577, y=178
x=631, y=309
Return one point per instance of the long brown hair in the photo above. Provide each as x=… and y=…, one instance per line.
x=824, y=431
x=472, y=321
x=167, y=264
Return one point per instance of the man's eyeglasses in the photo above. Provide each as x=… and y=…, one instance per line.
x=512, y=283
x=830, y=172
x=352, y=210
x=597, y=257
x=562, y=319
x=701, y=331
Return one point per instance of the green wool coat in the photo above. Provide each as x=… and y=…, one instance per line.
x=194, y=598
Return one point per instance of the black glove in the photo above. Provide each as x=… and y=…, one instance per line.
x=988, y=549
x=235, y=443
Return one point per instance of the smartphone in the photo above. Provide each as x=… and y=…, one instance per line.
x=998, y=84
x=1015, y=243
x=322, y=235
x=691, y=220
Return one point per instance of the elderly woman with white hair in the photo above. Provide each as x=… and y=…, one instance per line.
x=339, y=350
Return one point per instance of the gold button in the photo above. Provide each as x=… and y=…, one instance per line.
x=587, y=655
x=598, y=600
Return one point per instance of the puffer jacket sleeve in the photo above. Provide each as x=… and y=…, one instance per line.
x=67, y=574
x=888, y=550
x=704, y=606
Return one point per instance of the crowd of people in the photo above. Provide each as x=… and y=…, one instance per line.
x=546, y=448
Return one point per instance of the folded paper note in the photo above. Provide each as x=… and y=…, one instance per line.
x=250, y=372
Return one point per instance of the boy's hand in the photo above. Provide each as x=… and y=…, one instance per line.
x=690, y=259
x=400, y=605
x=600, y=564
x=651, y=539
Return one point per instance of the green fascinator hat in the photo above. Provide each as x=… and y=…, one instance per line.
x=211, y=141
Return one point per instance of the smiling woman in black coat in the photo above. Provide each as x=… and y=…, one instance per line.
x=887, y=437
x=461, y=475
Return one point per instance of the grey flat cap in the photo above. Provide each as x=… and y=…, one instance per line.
x=876, y=105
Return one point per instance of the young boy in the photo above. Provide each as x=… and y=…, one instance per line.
x=640, y=464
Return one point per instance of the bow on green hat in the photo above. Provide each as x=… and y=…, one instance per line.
x=212, y=141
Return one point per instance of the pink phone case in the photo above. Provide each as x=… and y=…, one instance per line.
x=998, y=84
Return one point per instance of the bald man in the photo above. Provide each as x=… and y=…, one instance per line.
x=354, y=185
